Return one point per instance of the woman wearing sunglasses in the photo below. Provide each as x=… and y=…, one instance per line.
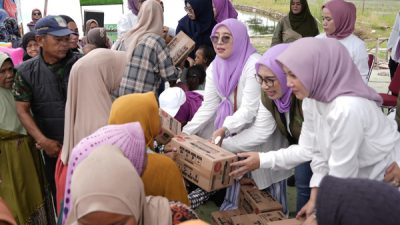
x=36, y=15
x=232, y=94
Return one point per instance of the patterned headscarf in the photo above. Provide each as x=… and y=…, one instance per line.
x=127, y=137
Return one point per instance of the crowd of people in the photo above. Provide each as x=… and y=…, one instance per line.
x=79, y=117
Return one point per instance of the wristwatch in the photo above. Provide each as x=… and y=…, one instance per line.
x=227, y=133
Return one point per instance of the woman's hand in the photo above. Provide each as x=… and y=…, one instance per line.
x=218, y=136
x=311, y=220
x=170, y=151
x=249, y=162
x=392, y=175
x=309, y=208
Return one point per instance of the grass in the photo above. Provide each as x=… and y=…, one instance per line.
x=371, y=24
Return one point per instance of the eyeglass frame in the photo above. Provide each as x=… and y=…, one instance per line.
x=189, y=9
x=269, y=82
x=225, y=39
x=37, y=14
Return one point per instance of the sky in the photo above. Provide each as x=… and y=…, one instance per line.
x=173, y=10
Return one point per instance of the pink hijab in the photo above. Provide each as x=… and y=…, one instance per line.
x=327, y=70
x=128, y=137
x=344, y=15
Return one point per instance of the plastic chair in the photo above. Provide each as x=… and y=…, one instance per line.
x=371, y=61
x=390, y=99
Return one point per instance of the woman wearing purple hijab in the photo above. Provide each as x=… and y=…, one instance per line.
x=344, y=133
x=339, y=19
x=270, y=131
x=279, y=116
x=232, y=94
x=129, y=19
x=223, y=9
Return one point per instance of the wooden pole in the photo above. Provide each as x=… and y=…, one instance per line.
x=45, y=8
x=363, y=7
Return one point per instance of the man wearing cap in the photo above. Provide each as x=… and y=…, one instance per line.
x=40, y=89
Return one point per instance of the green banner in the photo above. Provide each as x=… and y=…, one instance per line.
x=100, y=2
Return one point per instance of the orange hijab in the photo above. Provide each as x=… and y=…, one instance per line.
x=142, y=108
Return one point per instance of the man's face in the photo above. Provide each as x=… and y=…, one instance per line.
x=54, y=47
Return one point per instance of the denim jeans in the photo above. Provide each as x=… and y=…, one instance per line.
x=302, y=175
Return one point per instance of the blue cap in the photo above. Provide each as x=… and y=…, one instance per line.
x=53, y=25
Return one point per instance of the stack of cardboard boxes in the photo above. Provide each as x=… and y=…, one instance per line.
x=208, y=166
x=203, y=163
x=255, y=208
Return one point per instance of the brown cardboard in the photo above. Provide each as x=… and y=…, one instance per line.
x=180, y=47
x=255, y=201
x=272, y=216
x=224, y=217
x=248, y=219
x=169, y=127
x=205, y=164
x=286, y=222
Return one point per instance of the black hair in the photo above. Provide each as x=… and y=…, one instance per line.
x=197, y=71
x=209, y=53
x=30, y=36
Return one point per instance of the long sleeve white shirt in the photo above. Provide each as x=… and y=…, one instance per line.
x=348, y=137
x=358, y=52
x=248, y=97
x=262, y=136
x=394, y=37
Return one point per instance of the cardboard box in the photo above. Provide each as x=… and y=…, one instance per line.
x=205, y=164
x=287, y=222
x=248, y=219
x=224, y=217
x=255, y=201
x=180, y=47
x=272, y=216
x=170, y=127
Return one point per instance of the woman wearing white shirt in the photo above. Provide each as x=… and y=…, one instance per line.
x=344, y=132
x=278, y=123
x=339, y=18
x=393, y=44
x=231, y=94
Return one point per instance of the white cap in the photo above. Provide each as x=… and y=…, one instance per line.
x=171, y=100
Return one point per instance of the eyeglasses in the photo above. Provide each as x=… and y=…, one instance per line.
x=224, y=39
x=36, y=14
x=189, y=9
x=267, y=81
